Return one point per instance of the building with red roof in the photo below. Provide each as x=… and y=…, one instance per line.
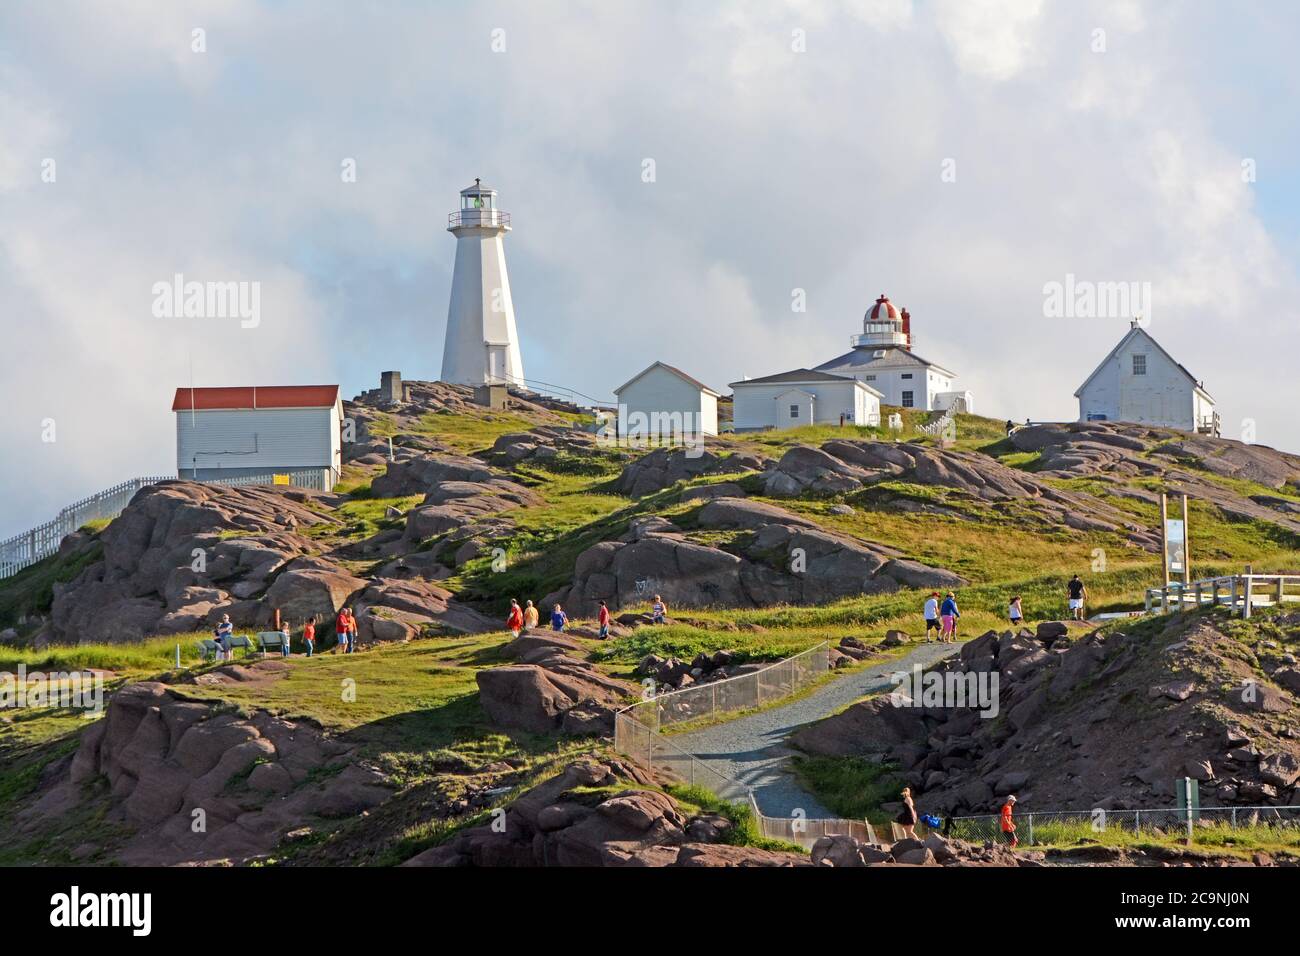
x=242, y=431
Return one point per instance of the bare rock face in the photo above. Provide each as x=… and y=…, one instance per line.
x=552, y=825
x=785, y=559
x=458, y=492
x=168, y=759
x=170, y=561
x=841, y=467
x=665, y=467
x=551, y=690
x=419, y=476
x=312, y=588
x=398, y=610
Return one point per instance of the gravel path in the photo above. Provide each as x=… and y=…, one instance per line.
x=752, y=749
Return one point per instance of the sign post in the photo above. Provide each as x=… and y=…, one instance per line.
x=1173, y=533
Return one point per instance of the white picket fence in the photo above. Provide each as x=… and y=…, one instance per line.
x=24, y=550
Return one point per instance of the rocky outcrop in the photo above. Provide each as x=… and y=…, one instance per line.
x=935, y=850
x=540, y=444
x=391, y=609
x=1207, y=707
x=625, y=822
x=664, y=467
x=183, y=553
x=781, y=559
x=845, y=467
x=551, y=689
x=193, y=782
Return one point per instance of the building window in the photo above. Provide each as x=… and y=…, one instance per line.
x=1139, y=365
x=907, y=375
x=907, y=399
x=794, y=411
x=869, y=378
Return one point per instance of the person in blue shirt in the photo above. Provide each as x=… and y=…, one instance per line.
x=224, y=632
x=558, y=618
x=948, y=614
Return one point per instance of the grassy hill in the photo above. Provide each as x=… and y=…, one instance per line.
x=416, y=716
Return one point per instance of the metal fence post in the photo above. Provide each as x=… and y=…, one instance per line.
x=1031, y=829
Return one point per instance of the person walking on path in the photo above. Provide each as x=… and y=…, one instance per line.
x=907, y=816
x=515, y=622
x=603, y=620
x=530, y=615
x=1014, y=612
x=931, y=615
x=1008, y=825
x=309, y=636
x=949, y=614
x=285, y=637
x=559, y=620
x=658, y=610
x=1078, y=594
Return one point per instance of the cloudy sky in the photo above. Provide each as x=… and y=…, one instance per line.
x=957, y=155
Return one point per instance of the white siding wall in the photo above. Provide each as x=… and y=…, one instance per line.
x=756, y=405
x=1163, y=396
x=923, y=385
x=271, y=438
x=793, y=408
x=660, y=391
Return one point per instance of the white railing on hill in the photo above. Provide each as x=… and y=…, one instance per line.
x=637, y=736
x=23, y=550
x=1241, y=592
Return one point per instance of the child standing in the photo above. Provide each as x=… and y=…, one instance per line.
x=309, y=636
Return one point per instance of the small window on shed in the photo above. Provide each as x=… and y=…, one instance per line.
x=1139, y=365
x=794, y=411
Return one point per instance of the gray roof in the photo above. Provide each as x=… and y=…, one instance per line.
x=798, y=375
x=478, y=189
x=862, y=357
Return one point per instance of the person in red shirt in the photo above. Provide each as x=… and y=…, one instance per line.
x=603, y=619
x=515, y=622
x=343, y=627
x=309, y=636
x=1009, y=825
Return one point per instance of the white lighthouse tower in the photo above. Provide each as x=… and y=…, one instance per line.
x=482, y=344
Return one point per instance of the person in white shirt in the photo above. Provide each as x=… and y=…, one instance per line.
x=931, y=615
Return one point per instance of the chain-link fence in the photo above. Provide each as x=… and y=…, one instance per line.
x=1206, y=825
x=637, y=735
x=705, y=702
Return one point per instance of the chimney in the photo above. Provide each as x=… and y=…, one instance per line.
x=907, y=329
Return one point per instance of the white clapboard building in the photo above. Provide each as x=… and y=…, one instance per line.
x=662, y=402
x=234, y=432
x=803, y=397
x=1140, y=382
x=882, y=357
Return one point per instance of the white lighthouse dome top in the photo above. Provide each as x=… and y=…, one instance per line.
x=882, y=311
x=479, y=188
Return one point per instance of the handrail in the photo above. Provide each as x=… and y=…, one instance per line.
x=1243, y=592
x=477, y=217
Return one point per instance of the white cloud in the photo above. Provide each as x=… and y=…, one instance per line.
x=776, y=170
x=992, y=39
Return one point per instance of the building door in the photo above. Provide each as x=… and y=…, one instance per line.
x=496, y=370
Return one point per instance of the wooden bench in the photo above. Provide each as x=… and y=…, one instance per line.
x=270, y=641
x=241, y=641
x=208, y=649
